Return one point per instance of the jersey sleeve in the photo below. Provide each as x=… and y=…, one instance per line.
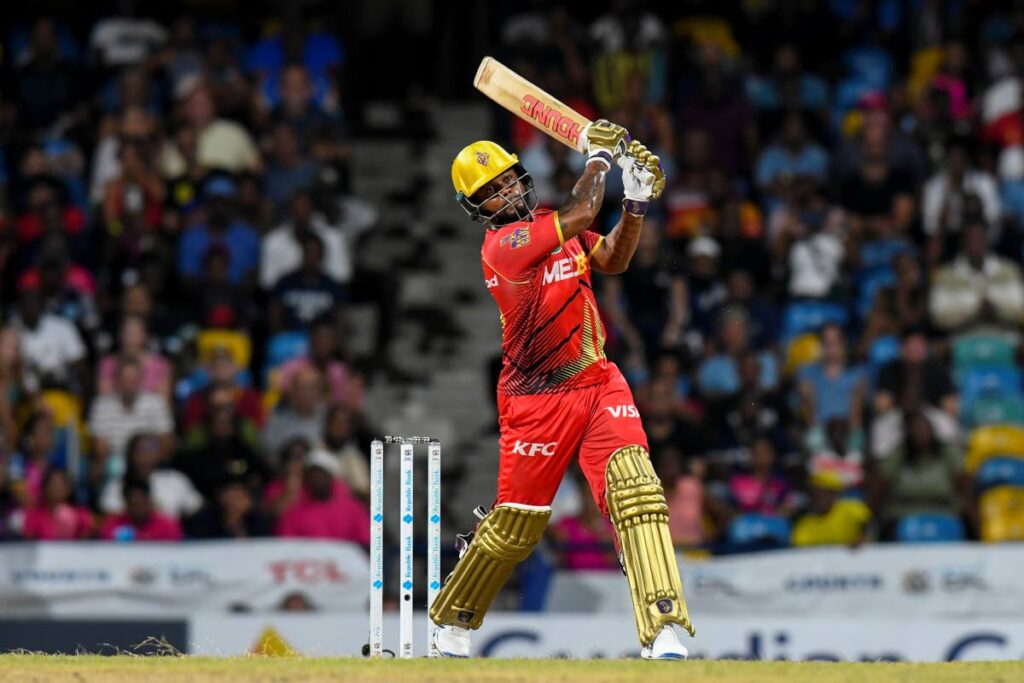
x=591, y=242
x=517, y=248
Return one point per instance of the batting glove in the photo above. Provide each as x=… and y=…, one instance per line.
x=605, y=140
x=643, y=179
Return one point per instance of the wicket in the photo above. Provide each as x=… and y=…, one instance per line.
x=406, y=564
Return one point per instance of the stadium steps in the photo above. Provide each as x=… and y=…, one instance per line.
x=456, y=396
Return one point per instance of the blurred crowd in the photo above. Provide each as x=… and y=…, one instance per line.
x=822, y=320
x=178, y=250
x=821, y=324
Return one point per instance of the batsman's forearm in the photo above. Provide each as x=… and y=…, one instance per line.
x=583, y=205
x=621, y=242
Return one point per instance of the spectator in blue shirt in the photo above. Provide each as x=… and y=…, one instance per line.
x=288, y=171
x=299, y=107
x=307, y=294
x=719, y=374
x=786, y=167
x=320, y=52
x=831, y=388
x=222, y=227
x=788, y=84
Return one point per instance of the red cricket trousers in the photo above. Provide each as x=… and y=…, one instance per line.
x=542, y=433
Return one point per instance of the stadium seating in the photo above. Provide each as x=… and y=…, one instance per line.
x=64, y=407
x=994, y=409
x=1001, y=511
x=801, y=351
x=869, y=285
x=753, y=528
x=284, y=347
x=199, y=379
x=999, y=472
x=883, y=350
x=877, y=255
x=993, y=441
x=808, y=316
x=982, y=351
x=281, y=348
x=238, y=344
x=975, y=382
x=929, y=528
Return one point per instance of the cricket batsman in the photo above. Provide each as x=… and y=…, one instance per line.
x=559, y=397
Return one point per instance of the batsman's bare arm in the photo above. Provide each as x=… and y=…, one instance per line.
x=616, y=251
x=581, y=208
x=583, y=205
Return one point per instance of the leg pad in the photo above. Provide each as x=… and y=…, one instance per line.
x=636, y=504
x=505, y=537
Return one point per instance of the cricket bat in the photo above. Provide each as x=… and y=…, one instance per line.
x=530, y=103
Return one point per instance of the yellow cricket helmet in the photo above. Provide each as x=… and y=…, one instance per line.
x=480, y=163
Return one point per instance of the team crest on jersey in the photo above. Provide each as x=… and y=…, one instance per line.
x=517, y=238
x=482, y=157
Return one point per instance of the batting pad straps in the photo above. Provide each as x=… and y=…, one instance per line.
x=636, y=504
x=505, y=537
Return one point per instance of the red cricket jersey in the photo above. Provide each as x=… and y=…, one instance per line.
x=552, y=337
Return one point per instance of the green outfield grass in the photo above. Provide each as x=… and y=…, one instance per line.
x=87, y=669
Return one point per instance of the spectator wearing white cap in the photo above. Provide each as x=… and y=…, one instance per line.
x=325, y=509
x=706, y=291
x=220, y=144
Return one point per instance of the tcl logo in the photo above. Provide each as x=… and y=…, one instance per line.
x=310, y=572
x=626, y=410
x=532, y=449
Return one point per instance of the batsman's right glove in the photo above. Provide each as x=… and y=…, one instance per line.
x=605, y=140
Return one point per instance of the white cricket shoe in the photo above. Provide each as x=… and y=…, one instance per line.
x=452, y=641
x=665, y=646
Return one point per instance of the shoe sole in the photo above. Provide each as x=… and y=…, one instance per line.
x=667, y=657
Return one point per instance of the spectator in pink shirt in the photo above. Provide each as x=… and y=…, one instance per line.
x=140, y=521
x=760, y=490
x=55, y=517
x=286, y=487
x=157, y=376
x=324, y=510
x=342, y=385
x=683, y=482
x=586, y=539
x=38, y=451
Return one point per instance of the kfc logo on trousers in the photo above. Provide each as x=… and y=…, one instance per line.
x=532, y=449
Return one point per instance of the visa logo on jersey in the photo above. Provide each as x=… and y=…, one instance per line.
x=565, y=269
x=625, y=410
x=532, y=449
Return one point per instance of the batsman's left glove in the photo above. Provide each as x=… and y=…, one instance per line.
x=643, y=178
